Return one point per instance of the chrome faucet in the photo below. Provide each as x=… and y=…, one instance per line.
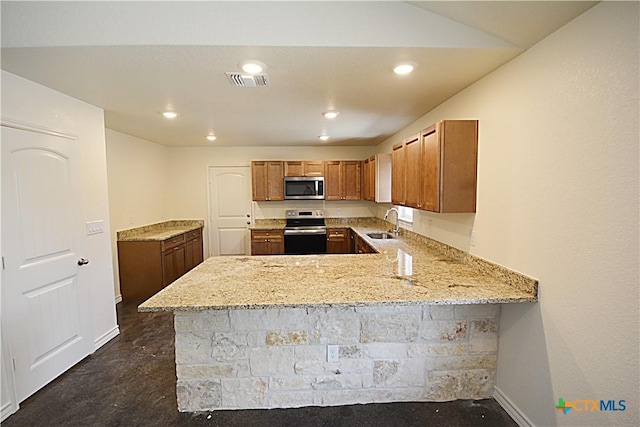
x=397, y=230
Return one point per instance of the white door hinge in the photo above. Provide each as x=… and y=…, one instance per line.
x=3, y=263
x=14, y=363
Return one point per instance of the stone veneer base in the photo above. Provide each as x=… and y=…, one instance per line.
x=277, y=358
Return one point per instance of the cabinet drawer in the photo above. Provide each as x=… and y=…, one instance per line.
x=191, y=235
x=172, y=242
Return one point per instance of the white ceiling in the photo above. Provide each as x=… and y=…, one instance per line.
x=137, y=59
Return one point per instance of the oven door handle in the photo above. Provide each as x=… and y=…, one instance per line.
x=303, y=232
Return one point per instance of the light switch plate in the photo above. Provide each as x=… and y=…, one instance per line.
x=95, y=227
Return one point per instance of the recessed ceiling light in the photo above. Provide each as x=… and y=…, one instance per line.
x=170, y=114
x=252, y=67
x=323, y=137
x=211, y=137
x=404, y=68
x=331, y=114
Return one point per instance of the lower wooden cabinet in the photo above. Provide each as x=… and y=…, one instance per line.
x=147, y=266
x=363, y=247
x=338, y=241
x=267, y=242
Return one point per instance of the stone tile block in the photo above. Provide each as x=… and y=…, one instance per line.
x=344, y=366
x=229, y=346
x=207, y=321
x=295, y=382
x=461, y=363
x=385, y=350
x=286, y=338
x=432, y=349
x=441, y=312
x=350, y=351
x=198, y=395
x=483, y=336
x=477, y=311
x=311, y=352
x=444, y=330
x=391, y=327
x=451, y=385
x=351, y=397
x=399, y=373
x=193, y=347
x=333, y=326
x=272, y=361
x=336, y=382
x=244, y=393
x=290, y=399
x=218, y=370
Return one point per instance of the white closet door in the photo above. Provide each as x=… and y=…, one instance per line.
x=45, y=301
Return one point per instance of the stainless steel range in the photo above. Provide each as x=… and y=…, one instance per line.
x=305, y=232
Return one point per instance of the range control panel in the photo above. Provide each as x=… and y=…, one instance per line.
x=318, y=213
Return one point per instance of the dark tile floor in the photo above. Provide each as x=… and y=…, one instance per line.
x=131, y=382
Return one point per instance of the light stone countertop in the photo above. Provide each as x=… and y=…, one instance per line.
x=159, y=231
x=407, y=271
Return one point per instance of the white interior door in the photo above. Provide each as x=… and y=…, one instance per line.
x=229, y=210
x=45, y=305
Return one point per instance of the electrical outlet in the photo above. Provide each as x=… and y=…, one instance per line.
x=332, y=353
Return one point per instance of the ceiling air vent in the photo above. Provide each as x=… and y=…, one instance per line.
x=248, y=80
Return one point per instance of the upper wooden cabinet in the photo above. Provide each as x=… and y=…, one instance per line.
x=343, y=180
x=267, y=180
x=450, y=165
x=398, y=174
x=303, y=168
x=376, y=178
x=436, y=170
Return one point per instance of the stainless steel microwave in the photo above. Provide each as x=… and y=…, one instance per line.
x=304, y=188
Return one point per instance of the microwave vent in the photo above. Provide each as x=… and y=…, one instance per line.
x=248, y=80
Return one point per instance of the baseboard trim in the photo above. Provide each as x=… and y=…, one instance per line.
x=105, y=338
x=8, y=409
x=511, y=409
x=118, y=298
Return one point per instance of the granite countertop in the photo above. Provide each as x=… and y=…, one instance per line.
x=159, y=231
x=409, y=270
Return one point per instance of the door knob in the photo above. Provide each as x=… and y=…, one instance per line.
x=83, y=261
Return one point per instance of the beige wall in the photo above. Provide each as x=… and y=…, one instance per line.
x=558, y=200
x=138, y=173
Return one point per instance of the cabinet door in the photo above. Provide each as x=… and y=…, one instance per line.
x=458, y=165
x=366, y=192
x=259, y=181
x=371, y=178
x=276, y=243
x=338, y=241
x=293, y=168
x=412, y=161
x=173, y=265
x=332, y=180
x=397, y=174
x=193, y=253
x=430, y=196
x=351, y=175
x=275, y=180
x=313, y=168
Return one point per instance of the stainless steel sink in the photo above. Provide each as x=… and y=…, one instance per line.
x=380, y=235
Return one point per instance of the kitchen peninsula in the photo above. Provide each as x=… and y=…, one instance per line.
x=418, y=321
